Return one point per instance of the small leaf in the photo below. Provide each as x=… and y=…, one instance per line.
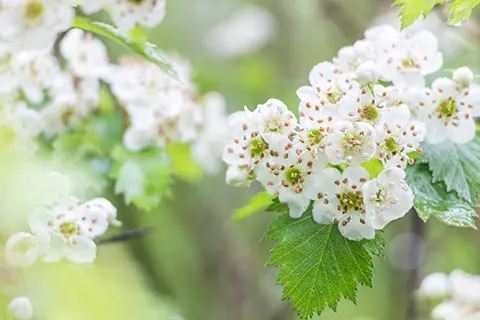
x=183, y=165
x=412, y=9
x=461, y=11
x=144, y=177
x=277, y=206
x=318, y=266
x=374, y=167
x=377, y=245
x=433, y=199
x=259, y=202
x=456, y=165
x=145, y=49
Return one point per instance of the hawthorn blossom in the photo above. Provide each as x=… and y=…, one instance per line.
x=434, y=285
x=340, y=199
x=387, y=197
x=23, y=249
x=126, y=14
x=351, y=143
x=449, y=115
x=33, y=24
x=21, y=308
x=286, y=173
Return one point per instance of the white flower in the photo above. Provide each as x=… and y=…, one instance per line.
x=21, y=308
x=273, y=120
x=449, y=116
x=238, y=176
x=465, y=288
x=286, y=173
x=23, y=249
x=33, y=24
x=351, y=143
x=86, y=55
x=103, y=207
x=126, y=14
x=340, y=199
x=387, y=198
x=434, y=285
x=410, y=58
x=328, y=86
x=88, y=6
x=247, y=31
x=208, y=147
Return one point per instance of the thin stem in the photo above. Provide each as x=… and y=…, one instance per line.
x=418, y=231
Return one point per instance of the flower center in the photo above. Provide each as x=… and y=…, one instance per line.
x=352, y=142
x=258, y=146
x=368, y=112
x=408, y=63
x=447, y=108
x=68, y=229
x=334, y=96
x=316, y=136
x=351, y=201
x=293, y=176
x=391, y=145
x=33, y=10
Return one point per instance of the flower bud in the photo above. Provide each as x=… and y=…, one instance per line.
x=464, y=76
x=367, y=72
x=21, y=308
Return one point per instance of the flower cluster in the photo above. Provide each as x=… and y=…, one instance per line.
x=457, y=295
x=65, y=229
x=369, y=104
x=35, y=24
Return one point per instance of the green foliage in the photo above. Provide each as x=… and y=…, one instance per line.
x=183, y=166
x=259, y=202
x=461, y=10
x=377, y=245
x=456, y=165
x=277, y=206
x=135, y=41
x=318, y=266
x=143, y=177
x=374, y=167
x=433, y=199
x=412, y=9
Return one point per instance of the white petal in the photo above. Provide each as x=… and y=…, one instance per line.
x=463, y=133
x=83, y=250
x=326, y=212
x=444, y=88
x=307, y=94
x=39, y=219
x=355, y=230
x=434, y=285
x=436, y=131
x=355, y=175
x=392, y=174
x=55, y=250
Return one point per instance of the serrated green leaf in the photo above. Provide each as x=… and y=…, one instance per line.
x=143, y=177
x=259, y=202
x=456, y=165
x=461, y=11
x=433, y=199
x=277, y=206
x=145, y=49
x=412, y=9
x=377, y=245
x=318, y=266
x=183, y=166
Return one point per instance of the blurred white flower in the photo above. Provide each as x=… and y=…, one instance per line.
x=126, y=14
x=247, y=31
x=33, y=24
x=435, y=285
x=21, y=308
x=23, y=249
x=208, y=147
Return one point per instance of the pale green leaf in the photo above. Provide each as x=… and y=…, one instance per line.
x=413, y=9
x=432, y=199
x=183, y=166
x=457, y=165
x=145, y=49
x=318, y=266
x=461, y=11
x=259, y=202
x=143, y=177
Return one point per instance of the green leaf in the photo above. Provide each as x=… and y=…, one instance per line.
x=183, y=166
x=277, y=206
x=374, y=167
x=461, y=11
x=377, y=245
x=145, y=49
x=318, y=266
x=143, y=177
x=457, y=165
x=433, y=199
x=259, y=202
x=412, y=9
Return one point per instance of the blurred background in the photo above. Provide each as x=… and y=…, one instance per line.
x=198, y=263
